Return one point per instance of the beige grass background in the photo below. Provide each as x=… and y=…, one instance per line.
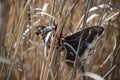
x=21, y=51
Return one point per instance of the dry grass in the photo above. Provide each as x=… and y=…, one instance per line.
x=21, y=51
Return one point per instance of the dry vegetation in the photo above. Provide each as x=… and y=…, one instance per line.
x=21, y=51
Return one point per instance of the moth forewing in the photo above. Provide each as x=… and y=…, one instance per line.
x=91, y=47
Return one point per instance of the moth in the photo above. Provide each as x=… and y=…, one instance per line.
x=89, y=38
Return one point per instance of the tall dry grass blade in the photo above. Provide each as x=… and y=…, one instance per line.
x=93, y=76
x=112, y=16
x=84, y=24
x=111, y=54
x=103, y=12
x=92, y=17
x=44, y=8
x=21, y=26
x=42, y=14
x=99, y=7
x=52, y=10
x=45, y=53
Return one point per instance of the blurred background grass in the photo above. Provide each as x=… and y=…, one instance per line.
x=21, y=51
